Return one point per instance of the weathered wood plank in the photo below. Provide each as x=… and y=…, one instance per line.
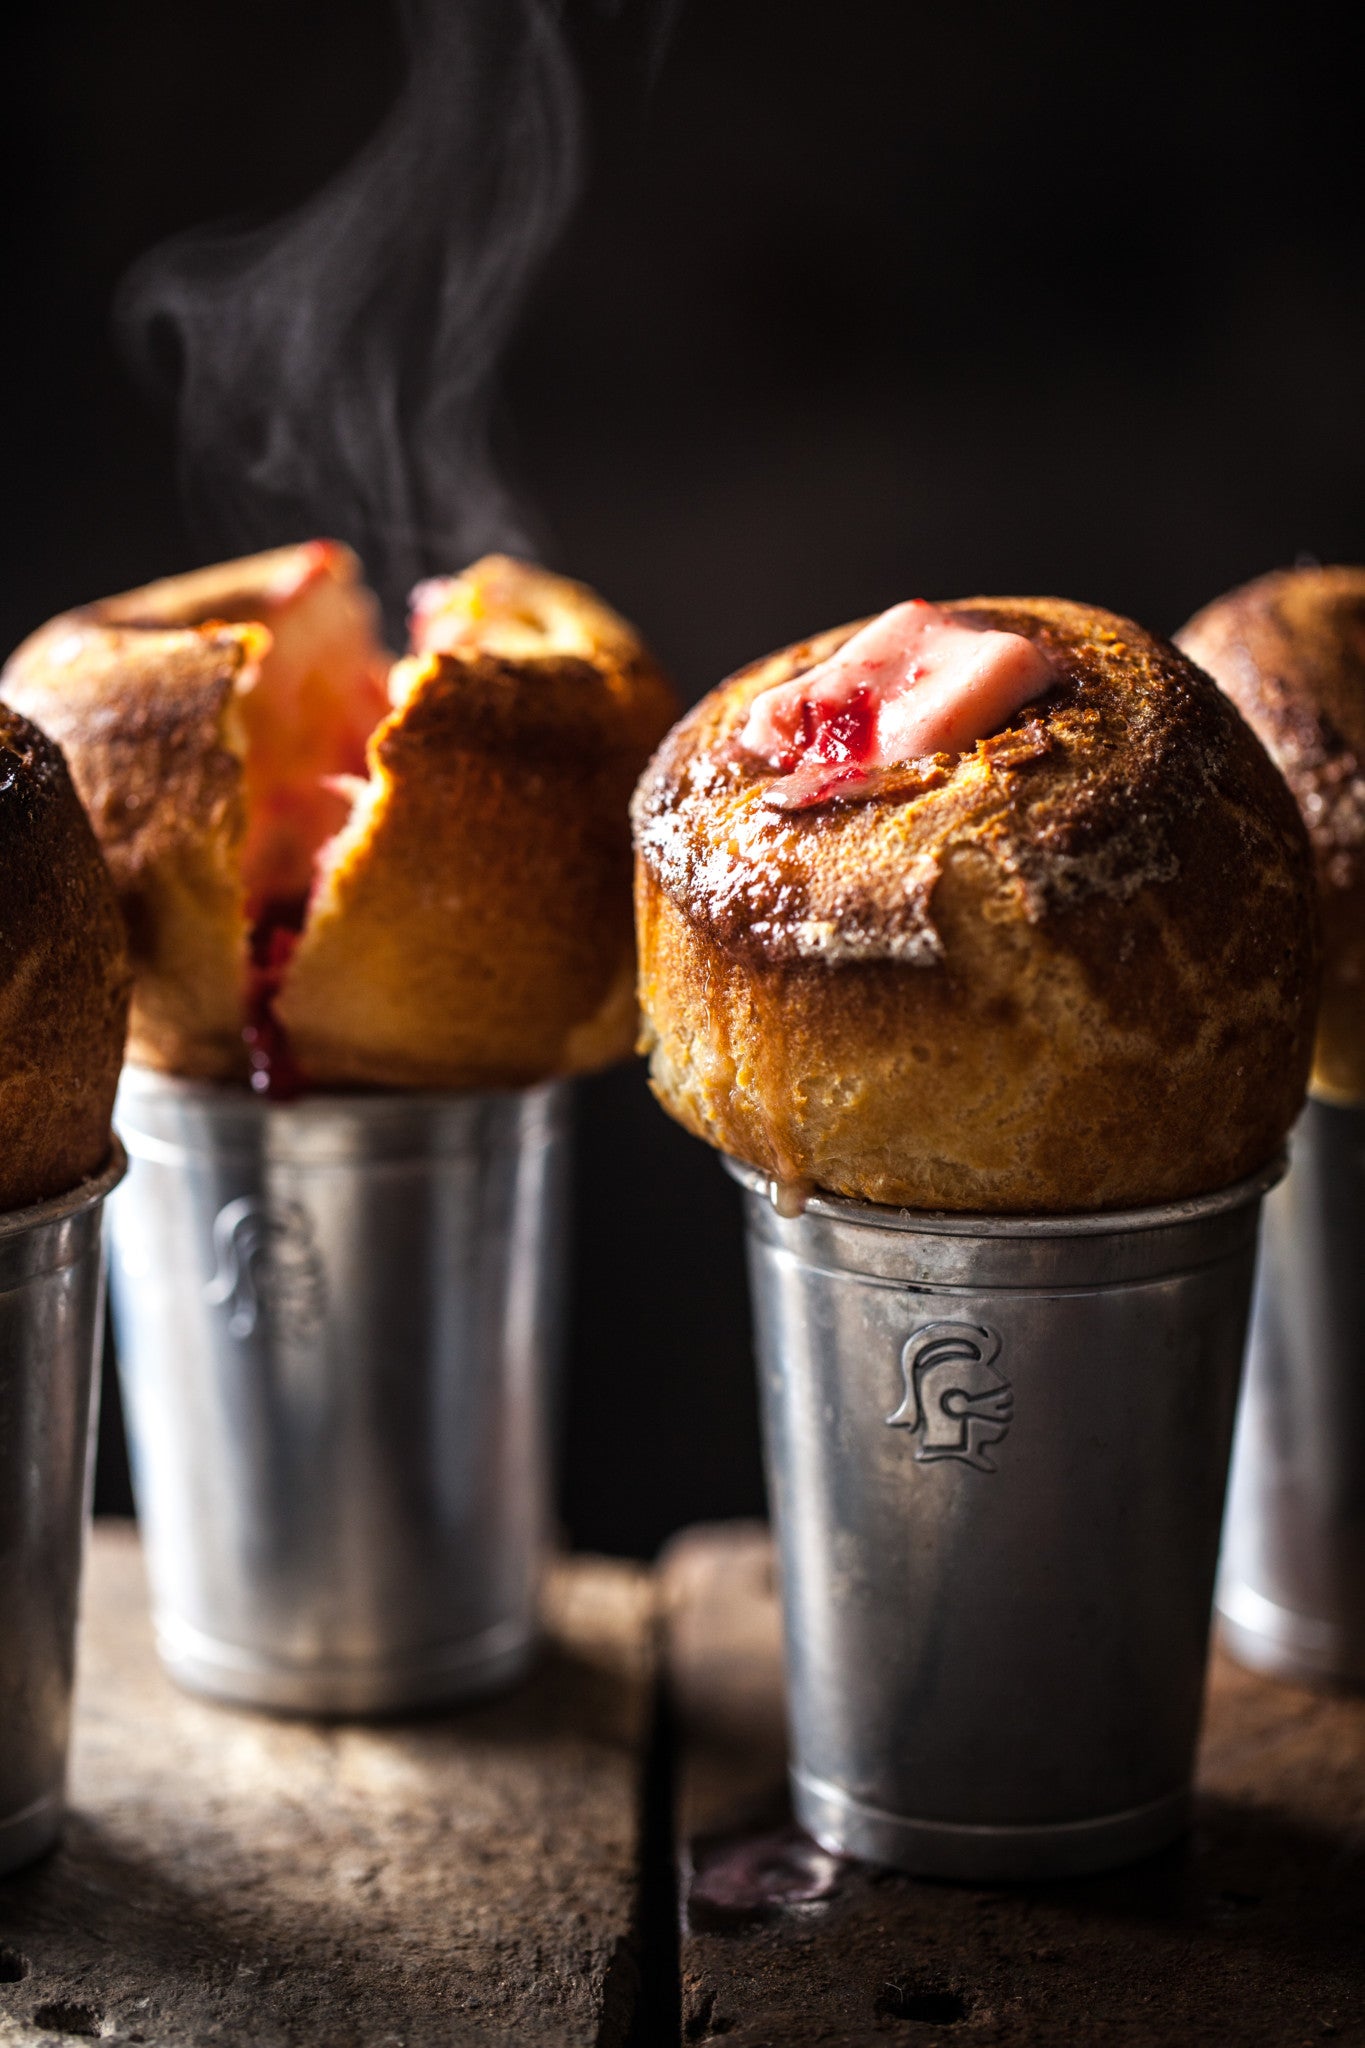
x=468, y=1878
x=1253, y=1932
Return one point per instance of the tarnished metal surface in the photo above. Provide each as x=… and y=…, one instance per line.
x=1291, y=1582
x=338, y=1321
x=51, y=1323
x=996, y=1451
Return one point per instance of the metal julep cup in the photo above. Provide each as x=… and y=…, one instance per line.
x=337, y=1323
x=51, y=1327
x=996, y=1451
x=1291, y=1581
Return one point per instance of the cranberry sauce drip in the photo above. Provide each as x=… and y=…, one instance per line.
x=275, y=934
x=830, y=748
x=844, y=734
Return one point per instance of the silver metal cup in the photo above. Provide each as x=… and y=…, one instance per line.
x=996, y=1451
x=51, y=1326
x=1291, y=1579
x=337, y=1321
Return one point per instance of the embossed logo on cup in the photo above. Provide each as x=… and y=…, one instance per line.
x=956, y=1396
x=269, y=1269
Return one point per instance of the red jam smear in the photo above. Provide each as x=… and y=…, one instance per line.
x=839, y=733
x=912, y=683
x=274, y=1071
x=829, y=751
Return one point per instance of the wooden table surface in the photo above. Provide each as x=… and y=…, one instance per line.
x=487, y=1878
x=232, y=1878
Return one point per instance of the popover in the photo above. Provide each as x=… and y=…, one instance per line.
x=63, y=977
x=337, y=871
x=995, y=906
x=1289, y=649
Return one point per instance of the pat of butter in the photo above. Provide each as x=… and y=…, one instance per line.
x=911, y=683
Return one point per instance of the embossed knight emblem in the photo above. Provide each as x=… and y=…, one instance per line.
x=268, y=1268
x=956, y=1397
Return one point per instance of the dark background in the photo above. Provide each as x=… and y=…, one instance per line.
x=862, y=301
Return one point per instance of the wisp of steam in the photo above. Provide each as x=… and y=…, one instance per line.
x=334, y=371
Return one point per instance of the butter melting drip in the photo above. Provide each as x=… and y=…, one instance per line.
x=789, y=1197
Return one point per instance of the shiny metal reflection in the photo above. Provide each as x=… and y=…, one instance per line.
x=996, y=1451
x=337, y=1324
x=1291, y=1579
x=51, y=1326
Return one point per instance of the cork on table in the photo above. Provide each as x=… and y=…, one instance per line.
x=235, y=1878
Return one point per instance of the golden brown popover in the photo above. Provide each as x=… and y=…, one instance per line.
x=63, y=976
x=1070, y=966
x=1289, y=649
x=338, y=875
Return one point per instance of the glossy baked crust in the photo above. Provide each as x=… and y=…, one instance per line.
x=1289, y=649
x=63, y=977
x=471, y=925
x=1073, y=969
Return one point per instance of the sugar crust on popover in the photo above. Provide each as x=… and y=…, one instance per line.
x=63, y=977
x=1074, y=968
x=449, y=833
x=1289, y=649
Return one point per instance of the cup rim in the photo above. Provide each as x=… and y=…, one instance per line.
x=971, y=1223
x=86, y=1194
x=237, y=1098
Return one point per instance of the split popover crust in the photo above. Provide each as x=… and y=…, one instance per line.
x=148, y=718
x=497, y=821
x=1074, y=969
x=63, y=977
x=1289, y=649
x=471, y=922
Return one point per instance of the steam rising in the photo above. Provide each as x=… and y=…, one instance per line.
x=334, y=372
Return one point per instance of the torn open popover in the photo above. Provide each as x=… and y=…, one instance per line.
x=994, y=906
x=338, y=870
